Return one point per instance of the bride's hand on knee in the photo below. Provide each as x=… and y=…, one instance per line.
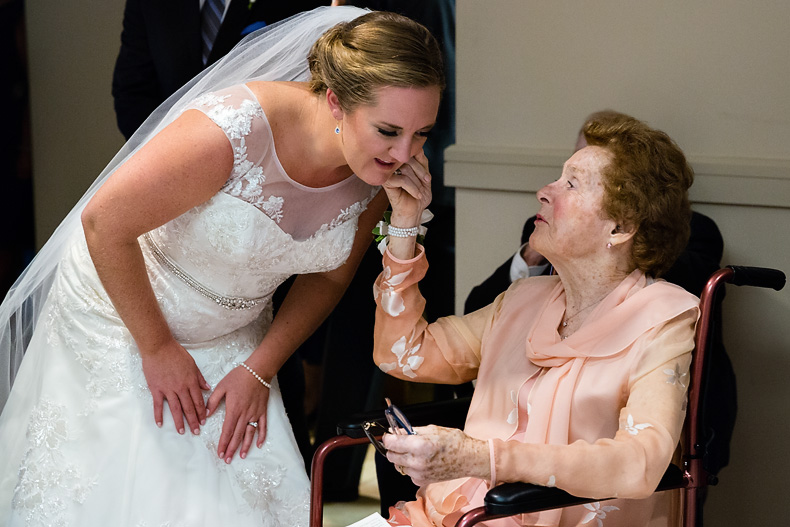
x=246, y=400
x=172, y=374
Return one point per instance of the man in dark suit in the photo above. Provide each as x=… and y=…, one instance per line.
x=161, y=48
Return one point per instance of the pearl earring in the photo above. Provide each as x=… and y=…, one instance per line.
x=337, y=129
x=609, y=245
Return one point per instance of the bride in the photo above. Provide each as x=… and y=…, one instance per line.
x=155, y=292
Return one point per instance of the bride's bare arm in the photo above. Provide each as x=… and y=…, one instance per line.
x=309, y=301
x=183, y=166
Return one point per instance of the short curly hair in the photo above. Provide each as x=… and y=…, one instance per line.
x=645, y=187
x=372, y=51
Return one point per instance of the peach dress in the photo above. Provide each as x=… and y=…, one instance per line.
x=598, y=414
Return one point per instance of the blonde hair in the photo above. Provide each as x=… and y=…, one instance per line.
x=378, y=49
x=645, y=186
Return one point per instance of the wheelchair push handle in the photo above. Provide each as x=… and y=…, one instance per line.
x=757, y=277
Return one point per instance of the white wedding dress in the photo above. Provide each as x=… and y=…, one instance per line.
x=78, y=442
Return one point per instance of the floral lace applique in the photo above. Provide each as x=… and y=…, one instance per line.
x=391, y=300
x=273, y=207
x=345, y=215
x=210, y=99
x=47, y=481
x=259, y=482
x=675, y=376
x=262, y=492
x=597, y=512
x=108, y=357
x=408, y=360
x=634, y=429
x=235, y=122
x=247, y=179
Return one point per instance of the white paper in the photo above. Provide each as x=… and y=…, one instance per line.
x=374, y=520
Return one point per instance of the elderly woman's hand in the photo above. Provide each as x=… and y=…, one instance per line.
x=409, y=191
x=436, y=453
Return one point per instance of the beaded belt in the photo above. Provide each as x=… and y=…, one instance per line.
x=228, y=302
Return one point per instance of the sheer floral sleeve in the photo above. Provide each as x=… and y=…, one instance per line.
x=406, y=345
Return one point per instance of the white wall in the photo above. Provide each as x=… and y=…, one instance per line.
x=711, y=73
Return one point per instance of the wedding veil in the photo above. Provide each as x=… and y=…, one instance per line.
x=276, y=52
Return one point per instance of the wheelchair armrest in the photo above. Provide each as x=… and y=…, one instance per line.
x=518, y=498
x=450, y=413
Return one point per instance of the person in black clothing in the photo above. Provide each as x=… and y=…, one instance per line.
x=16, y=202
x=161, y=48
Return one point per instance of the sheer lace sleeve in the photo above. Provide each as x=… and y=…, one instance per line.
x=259, y=178
x=240, y=116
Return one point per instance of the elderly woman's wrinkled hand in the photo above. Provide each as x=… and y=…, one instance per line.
x=409, y=191
x=435, y=453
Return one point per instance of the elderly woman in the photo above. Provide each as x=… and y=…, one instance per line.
x=581, y=376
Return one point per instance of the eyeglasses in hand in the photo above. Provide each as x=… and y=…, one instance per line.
x=398, y=425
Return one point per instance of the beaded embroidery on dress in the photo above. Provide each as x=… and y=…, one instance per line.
x=80, y=444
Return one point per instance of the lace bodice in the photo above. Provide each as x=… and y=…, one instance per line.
x=261, y=228
x=259, y=179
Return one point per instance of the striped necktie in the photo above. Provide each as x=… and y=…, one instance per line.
x=211, y=20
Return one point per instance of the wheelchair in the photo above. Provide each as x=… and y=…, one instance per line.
x=508, y=499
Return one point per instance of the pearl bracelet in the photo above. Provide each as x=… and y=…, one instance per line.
x=399, y=232
x=256, y=375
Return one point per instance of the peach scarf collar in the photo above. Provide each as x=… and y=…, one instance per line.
x=626, y=314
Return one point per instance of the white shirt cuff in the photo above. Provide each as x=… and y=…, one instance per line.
x=520, y=269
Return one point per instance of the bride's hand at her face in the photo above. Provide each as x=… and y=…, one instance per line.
x=409, y=192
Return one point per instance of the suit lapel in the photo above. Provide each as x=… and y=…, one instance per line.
x=242, y=13
x=229, y=34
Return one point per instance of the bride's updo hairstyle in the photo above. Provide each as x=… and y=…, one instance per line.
x=377, y=49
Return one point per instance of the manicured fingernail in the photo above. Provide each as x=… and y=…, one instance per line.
x=243, y=455
x=180, y=430
x=221, y=455
x=196, y=431
x=159, y=424
x=227, y=460
x=202, y=421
